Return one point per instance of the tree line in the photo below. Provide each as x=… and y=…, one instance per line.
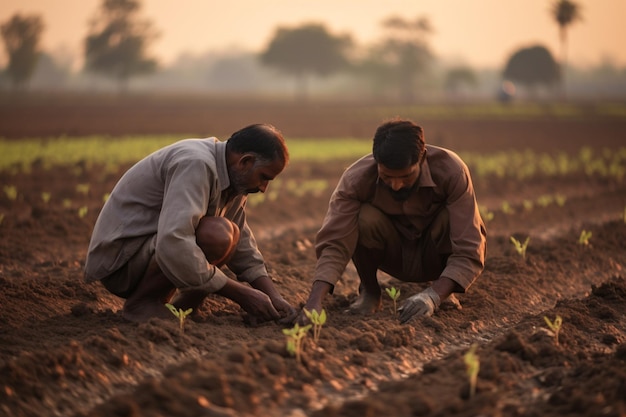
x=118, y=40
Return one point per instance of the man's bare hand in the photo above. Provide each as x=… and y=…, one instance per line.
x=283, y=307
x=258, y=304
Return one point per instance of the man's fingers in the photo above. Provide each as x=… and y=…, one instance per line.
x=272, y=313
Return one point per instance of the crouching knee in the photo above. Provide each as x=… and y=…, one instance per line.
x=218, y=238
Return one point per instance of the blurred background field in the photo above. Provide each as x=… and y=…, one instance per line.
x=245, y=53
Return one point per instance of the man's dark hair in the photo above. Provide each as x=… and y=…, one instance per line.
x=261, y=139
x=398, y=144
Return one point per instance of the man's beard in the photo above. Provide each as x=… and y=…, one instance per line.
x=402, y=194
x=237, y=182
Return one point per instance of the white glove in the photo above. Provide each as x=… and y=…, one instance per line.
x=422, y=304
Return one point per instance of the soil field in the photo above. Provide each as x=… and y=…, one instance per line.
x=66, y=351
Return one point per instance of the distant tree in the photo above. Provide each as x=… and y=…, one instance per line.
x=118, y=40
x=307, y=50
x=21, y=37
x=401, y=57
x=565, y=12
x=457, y=77
x=532, y=67
x=50, y=73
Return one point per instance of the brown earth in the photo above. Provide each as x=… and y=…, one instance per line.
x=66, y=351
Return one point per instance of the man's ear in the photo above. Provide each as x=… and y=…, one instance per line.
x=247, y=160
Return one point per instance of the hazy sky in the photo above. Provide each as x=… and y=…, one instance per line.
x=476, y=32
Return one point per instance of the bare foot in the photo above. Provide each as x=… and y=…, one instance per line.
x=142, y=312
x=366, y=303
x=189, y=299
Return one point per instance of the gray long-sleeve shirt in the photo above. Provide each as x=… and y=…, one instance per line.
x=167, y=193
x=444, y=182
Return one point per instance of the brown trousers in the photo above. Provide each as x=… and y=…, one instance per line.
x=418, y=260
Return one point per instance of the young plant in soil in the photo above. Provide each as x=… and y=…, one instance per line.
x=318, y=320
x=584, y=237
x=180, y=314
x=394, y=294
x=555, y=327
x=472, y=364
x=295, y=337
x=519, y=246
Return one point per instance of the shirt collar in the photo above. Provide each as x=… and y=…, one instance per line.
x=425, y=179
x=222, y=166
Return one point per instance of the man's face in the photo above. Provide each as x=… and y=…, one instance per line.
x=400, y=182
x=250, y=175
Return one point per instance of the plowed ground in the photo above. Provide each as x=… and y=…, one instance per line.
x=66, y=351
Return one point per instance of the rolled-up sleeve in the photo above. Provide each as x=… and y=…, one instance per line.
x=247, y=262
x=186, y=194
x=467, y=232
x=338, y=236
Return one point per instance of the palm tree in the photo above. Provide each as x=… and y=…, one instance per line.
x=565, y=13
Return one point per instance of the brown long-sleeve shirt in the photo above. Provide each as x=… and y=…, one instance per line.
x=167, y=193
x=444, y=181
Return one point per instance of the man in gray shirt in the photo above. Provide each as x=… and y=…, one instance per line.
x=409, y=210
x=178, y=215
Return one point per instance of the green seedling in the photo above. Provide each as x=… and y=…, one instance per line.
x=10, y=191
x=472, y=364
x=584, y=237
x=486, y=214
x=318, y=320
x=82, y=189
x=555, y=327
x=528, y=205
x=82, y=211
x=560, y=200
x=295, y=336
x=520, y=247
x=45, y=197
x=507, y=208
x=394, y=294
x=180, y=314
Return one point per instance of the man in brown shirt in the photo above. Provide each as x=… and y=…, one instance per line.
x=177, y=216
x=407, y=209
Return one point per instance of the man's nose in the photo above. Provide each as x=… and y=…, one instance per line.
x=396, y=184
x=264, y=186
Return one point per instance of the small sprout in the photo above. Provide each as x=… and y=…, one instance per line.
x=11, y=192
x=584, y=237
x=294, y=339
x=82, y=212
x=472, y=364
x=45, y=197
x=545, y=200
x=560, y=200
x=82, y=189
x=507, y=208
x=394, y=294
x=105, y=197
x=520, y=247
x=528, y=205
x=318, y=320
x=180, y=314
x=555, y=326
x=486, y=214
